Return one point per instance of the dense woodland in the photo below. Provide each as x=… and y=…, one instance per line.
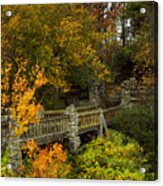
x=51, y=57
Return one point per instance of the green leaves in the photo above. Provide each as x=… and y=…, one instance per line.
x=138, y=123
x=110, y=158
x=5, y=159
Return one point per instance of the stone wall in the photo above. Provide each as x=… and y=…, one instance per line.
x=134, y=93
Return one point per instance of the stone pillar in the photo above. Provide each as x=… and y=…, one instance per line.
x=74, y=139
x=94, y=94
x=133, y=86
x=125, y=94
x=102, y=89
x=14, y=148
x=129, y=91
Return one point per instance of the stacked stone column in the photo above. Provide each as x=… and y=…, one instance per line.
x=74, y=139
x=129, y=90
x=94, y=94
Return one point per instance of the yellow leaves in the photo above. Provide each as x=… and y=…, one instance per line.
x=4, y=100
x=5, y=71
x=59, y=41
x=14, y=21
x=48, y=49
x=40, y=80
x=78, y=47
x=69, y=23
x=148, y=80
x=57, y=76
x=144, y=58
x=69, y=30
x=24, y=110
x=100, y=70
x=46, y=29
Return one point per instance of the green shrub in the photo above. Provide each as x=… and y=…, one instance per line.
x=115, y=157
x=5, y=159
x=138, y=123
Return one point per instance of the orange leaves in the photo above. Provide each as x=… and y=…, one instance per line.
x=48, y=162
x=57, y=152
x=51, y=163
x=31, y=148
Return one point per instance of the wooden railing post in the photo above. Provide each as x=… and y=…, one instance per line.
x=74, y=139
x=14, y=148
x=103, y=125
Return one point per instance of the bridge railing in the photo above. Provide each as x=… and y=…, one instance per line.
x=88, y=120
x=109, y=113
x=56, y=123
x=47, y=130
x=61, y=112
x=53, y=113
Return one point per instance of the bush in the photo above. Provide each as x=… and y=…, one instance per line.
x=5, y=159
x=50, y=162
x=138, y=123
x=115, y=157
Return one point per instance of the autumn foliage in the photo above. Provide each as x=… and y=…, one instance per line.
x=49, y=162
x=20, y=100
x=49, y=52
x=40, y=47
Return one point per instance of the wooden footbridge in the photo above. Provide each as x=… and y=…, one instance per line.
x=59, y=124
x=56, y=125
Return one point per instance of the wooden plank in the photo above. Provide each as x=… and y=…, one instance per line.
x=89, y=113
x=112, y=109
x=81, y=108
x=53, y=112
